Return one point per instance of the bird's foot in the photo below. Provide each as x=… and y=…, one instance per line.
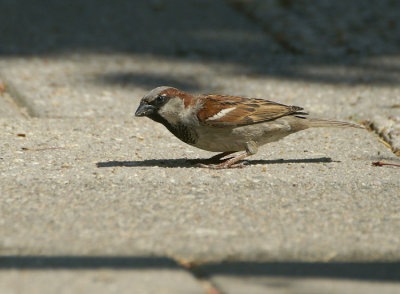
x=229, y=163
x=222, y=165
x=216, y=159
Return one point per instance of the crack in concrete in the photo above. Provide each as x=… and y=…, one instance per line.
x=242, y=8
x=388, y=130
x=19, y=99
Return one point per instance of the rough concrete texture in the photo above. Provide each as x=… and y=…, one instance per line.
x=123, y=187
x=79, y=176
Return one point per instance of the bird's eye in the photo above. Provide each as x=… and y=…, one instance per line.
x=160, y=98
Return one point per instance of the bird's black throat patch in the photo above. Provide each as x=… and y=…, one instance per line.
x=180, y=131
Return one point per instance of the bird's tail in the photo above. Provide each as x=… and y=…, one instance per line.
x=316, y=123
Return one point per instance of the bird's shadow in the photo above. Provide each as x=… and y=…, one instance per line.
x=186, y=163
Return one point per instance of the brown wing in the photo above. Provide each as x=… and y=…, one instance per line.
x=224, y=111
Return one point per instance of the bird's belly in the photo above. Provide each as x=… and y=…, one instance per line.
x=219, y=140
x=235, y=139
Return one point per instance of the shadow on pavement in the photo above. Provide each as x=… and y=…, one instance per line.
x=182, y=162
x=374, y=271
x=85, y=262
x=146, y=80
x=292, y=40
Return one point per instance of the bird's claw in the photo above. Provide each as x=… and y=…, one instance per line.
x=223, y=165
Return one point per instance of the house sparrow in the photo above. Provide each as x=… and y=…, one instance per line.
x=226, y=124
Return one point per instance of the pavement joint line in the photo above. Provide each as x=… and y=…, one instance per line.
x=19, y=99
x=203, y=279
x=11, y=102
x=240, y=7
x=200, y=276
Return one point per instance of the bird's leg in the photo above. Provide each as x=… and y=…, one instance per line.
x=213, y=159
x=229, y=163
x=251, y=149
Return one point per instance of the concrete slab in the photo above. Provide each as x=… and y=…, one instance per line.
x=98, y=85
x=85, y=186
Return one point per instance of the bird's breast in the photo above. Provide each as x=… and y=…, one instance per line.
x=183, y=133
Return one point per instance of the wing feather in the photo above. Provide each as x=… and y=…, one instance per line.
x=226, y=111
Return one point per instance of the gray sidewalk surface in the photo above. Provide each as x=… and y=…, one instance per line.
x=93, y=199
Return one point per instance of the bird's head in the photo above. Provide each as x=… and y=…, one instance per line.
x=164, y=104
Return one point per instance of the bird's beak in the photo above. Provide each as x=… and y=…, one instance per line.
x=145, y=110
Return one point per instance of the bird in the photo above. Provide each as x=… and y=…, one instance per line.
x=226, y=124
